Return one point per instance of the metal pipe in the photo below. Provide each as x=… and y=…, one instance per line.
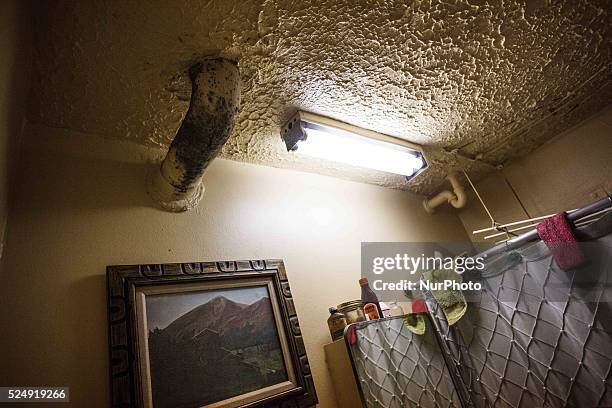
x=510, y=224
x=215, y=98
x=516, y=242
x=533, y=225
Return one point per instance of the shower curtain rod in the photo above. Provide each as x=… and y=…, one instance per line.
x=511, y=224
x=516, y=242
x=589, y=218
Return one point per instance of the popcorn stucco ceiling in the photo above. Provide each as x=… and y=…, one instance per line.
x=466, y=78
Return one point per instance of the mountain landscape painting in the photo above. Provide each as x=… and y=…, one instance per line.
x=210, y=345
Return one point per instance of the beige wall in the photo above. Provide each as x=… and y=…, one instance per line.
x=15, y=48
x=81, y=205
x=572, y=170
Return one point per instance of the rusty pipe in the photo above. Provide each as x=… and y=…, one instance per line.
x=215, y=99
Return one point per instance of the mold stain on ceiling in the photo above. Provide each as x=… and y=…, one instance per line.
x=481, y=79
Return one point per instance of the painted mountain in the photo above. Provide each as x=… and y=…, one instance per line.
x=215, y=351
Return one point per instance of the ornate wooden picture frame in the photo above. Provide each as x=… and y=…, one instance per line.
x=230, y=325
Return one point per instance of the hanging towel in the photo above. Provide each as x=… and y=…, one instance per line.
x=557, y=233
x=451, y=301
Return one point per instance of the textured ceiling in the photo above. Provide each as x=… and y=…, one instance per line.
x=482, y=79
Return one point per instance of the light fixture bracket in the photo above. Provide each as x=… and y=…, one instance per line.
x=293, y=132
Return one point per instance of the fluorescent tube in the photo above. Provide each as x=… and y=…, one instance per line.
x=359, y=151
x=318, y=136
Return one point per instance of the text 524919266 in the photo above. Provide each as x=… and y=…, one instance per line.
x=34, y=394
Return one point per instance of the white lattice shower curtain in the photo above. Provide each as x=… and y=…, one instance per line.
x=535, y=336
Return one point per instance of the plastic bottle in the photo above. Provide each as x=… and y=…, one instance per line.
x=369, y=297
x=371, y=311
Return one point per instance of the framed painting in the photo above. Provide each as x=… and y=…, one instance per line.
x=206, y=334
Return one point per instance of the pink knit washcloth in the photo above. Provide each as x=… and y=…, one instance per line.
x=557, y=233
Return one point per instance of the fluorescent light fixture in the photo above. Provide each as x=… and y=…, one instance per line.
x=324, y=138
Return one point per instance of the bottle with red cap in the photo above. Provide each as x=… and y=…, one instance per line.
x=371, y=306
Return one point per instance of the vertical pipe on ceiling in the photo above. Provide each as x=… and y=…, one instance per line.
x=215, y=98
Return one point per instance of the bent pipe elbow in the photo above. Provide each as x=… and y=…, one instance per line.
x=213, y=109
x=457, y=198
x=440, y=198
x=460, y=197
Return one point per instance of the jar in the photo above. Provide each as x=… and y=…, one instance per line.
x=352, y=311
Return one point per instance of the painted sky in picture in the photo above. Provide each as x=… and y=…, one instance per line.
x=163, y=309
